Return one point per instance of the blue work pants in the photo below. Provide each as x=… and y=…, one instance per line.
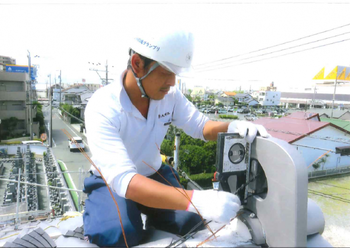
x=101, y=220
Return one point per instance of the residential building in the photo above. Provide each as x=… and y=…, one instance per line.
x=91, y=87
x=340, y=123
x=226, y=101
x=198, y=92
x=269, y=96
x=78, y=96
x=4, y=60
x=13, y=102
x=246, y=98
x=228, y=94
x=313, y=139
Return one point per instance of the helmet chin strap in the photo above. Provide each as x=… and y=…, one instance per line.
x=139, y=80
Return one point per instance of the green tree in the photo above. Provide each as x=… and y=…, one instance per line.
x=192, y=159
x=39, y=117
x=10, y=125
x=167, y=147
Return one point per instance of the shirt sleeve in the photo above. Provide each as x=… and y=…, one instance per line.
x=187, y=117
x=108, y=151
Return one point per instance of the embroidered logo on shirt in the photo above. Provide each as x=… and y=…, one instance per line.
x=163, y=115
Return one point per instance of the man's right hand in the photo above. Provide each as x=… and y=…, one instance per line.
x=218, y=206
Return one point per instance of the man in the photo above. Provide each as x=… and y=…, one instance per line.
x=126, y=123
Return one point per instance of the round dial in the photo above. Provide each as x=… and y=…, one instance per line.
x=236, y=153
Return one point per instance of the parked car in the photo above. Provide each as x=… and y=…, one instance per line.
x=222, y=111
x=250, y=117
x=243, y=111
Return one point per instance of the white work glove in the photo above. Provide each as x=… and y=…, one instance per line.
x=241, y=127
x=218, y=206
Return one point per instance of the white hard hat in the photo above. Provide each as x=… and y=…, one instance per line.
x=172, y=50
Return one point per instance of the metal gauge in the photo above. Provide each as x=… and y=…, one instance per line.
x=236, y=153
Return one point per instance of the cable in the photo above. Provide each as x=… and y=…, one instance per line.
x=279, y=55
x=262, y=49
x=277, y=50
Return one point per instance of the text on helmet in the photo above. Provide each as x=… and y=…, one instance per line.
x=149, y=45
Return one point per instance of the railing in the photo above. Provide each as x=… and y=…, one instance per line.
x=329, y=172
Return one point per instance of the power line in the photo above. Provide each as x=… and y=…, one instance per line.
x=283, y=43
x=284, y=49
x=278, y=55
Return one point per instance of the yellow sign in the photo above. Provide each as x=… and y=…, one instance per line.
x=342, y=75
x=348, y=77
x=333, y=74
x=320, y=75
x=338, y=73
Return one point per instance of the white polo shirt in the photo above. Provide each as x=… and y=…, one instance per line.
x=122, y=141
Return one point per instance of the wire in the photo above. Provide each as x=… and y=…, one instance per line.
x=262, y=49
x=288, y=48
x=279, y=55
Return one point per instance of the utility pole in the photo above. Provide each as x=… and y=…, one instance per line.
x=30, y=98
x=106, y=72
x=50, y=123
x=335, y=87
x=60, y=89
x=104, y=80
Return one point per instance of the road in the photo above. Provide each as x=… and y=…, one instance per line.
x=73, y=160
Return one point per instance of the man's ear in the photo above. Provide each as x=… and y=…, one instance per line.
x=137, y=65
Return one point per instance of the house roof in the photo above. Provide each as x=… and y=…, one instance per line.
x=304, y=116
x=345, y=116
x=230, y=93
x=337, y=122
x=290, y=129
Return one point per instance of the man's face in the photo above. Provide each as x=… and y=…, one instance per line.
x=157, y=84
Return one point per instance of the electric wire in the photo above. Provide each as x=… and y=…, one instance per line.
x=283, y=43
x=277, y=56
x=268, y=53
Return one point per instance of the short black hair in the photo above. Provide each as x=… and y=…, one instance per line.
x=145, y=60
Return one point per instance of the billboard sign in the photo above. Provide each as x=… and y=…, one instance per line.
x=22, y=69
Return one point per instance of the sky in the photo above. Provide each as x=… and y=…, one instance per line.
x=255, y=42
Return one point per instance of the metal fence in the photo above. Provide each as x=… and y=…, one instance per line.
x=329, y=172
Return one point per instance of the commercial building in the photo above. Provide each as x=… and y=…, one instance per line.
x=14, y=97
x=4, y=60
x=269, y=96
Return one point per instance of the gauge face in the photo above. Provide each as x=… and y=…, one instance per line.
x=236, y=153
